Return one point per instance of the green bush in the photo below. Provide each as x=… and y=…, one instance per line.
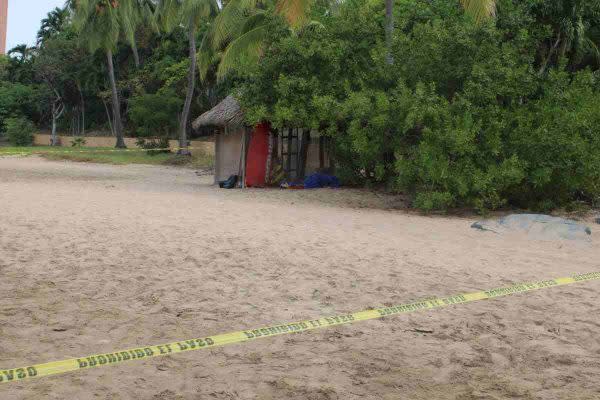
x=558, y=137
x=19, y=131
x=430, y=201
x=17, y=99
x=155, y=115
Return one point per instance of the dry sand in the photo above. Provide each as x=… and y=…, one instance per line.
x=96, y=258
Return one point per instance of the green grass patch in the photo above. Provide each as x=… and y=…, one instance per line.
x=27, y=150
x=107, y=155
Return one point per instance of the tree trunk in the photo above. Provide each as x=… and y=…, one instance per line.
x=56, y=114
x=83, y=119
x=116, y=105
x=389, y=30
x=53, y=137
x=550, y=54
x=303, y=154
x=109, y=117
x=76, y=114
x=136, y=54
x=183, y=145
x=58, y=108
x=321, y=151
x=82, y=109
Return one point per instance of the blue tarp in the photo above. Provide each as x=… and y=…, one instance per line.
x=316, y=181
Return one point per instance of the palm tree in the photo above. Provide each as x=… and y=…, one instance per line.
x=22, y=52
x=52, y=24
x=100, y=23
x=190, y=14
x=575, y=32
x=240, y=29
x=142, y=14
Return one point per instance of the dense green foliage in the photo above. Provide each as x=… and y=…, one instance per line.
x=19, y=131
x=155, y=114
x=490, y=108
x=472, y=115
x=17, y=99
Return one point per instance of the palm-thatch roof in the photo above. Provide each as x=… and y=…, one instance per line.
x=227, y=114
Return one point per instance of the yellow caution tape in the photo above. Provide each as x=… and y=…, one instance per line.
x=208, y=342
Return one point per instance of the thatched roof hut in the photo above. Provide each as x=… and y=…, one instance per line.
x=227, y=114
x=240, y=148
x=226, y=122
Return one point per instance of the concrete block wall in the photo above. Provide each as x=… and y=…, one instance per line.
x=198, y=146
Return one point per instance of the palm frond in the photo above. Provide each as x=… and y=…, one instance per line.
x=228, y=23
x=245, y=49
x=198, y=10
x=480, y=10
x=253, y=21
x=314, y=26
x=206, y=55
x=168, y=14
x=99, y=23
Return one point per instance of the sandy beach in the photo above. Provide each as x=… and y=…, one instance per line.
x=96, y=258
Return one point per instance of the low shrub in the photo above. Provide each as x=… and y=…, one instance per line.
x=78, y=142
x=430, y=201
x=19, y=131
x=154, y=146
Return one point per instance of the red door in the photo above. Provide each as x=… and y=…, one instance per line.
x=258, y=152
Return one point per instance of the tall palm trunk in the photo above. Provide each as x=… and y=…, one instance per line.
x=183, y=145
x=115, y=102
x=82, y=101
x=389, y=29
x=136, y=54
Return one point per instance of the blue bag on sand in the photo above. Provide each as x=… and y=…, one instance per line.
x=316, y=181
